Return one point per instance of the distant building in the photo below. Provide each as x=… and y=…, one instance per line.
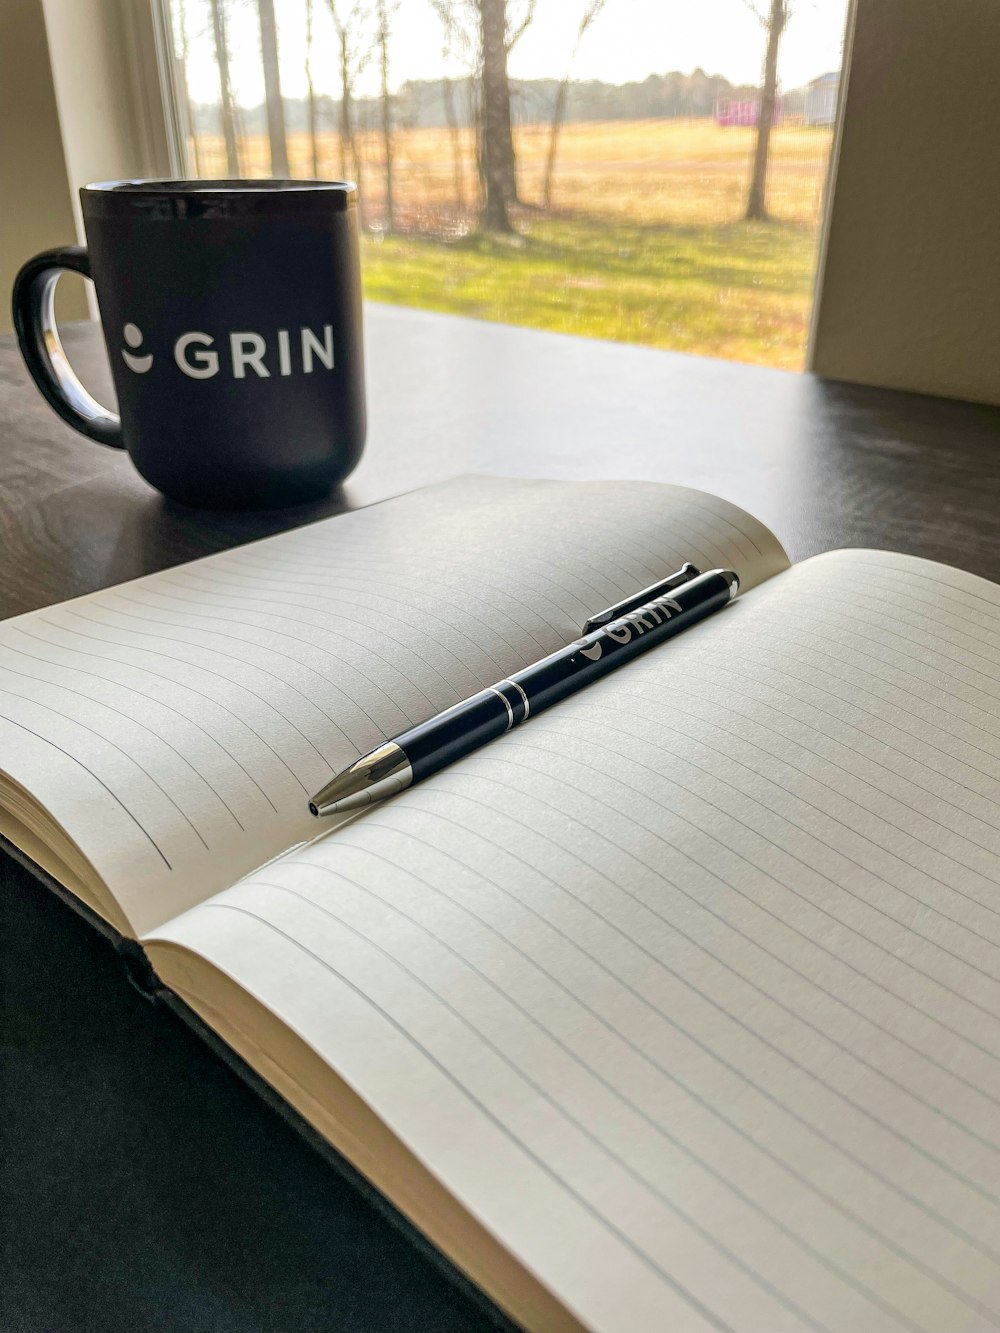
x=821, y=100
x=743, y=111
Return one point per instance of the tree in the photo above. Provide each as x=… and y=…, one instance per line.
x=455, y=35
x=498, y=28
x=384, y=11
x=226, y=108
x=515, y=26
x=354, y=54
x=311, y=91
x=496, y=147
x=272, y=88
x=774, y=20
x=185, y=50
x=591, y=12
x=458, y=175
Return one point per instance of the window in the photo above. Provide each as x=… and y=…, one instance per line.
x=566, y=164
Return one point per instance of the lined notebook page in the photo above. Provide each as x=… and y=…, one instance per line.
x=176, y=726
x=690, y=988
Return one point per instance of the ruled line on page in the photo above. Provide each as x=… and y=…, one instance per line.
x=411, y=611
x=731, y=919
x=966, y=1181
x=659, y=1128
x=637, y=1247
x=754, y=985
x=880, y=631
x=833, y=646
x=400, y=648
x=147, y=671
x=483, y=593
x=948, y=607
x=899, y=1316
x=246, y=663
x=374, y=827
x=605, y=1022
x=880, y=621
x=972, y=1239
x=850, y=830
x=543, y=580
x=579, y=581
x=759, y=947
x=775, y=921
x=406, y=835
x=291, y=656
x=883, y=792
x=131, y=722
x=185, y=721
x=19, y=723
x=720, y=814
x=105, y=740
x=553, y=1100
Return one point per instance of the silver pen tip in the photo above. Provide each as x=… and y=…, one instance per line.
x=734, y=583
x=371, y=778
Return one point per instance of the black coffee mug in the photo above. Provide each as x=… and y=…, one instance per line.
x=232, y=316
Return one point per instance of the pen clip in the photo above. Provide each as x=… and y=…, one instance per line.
x=685, y=574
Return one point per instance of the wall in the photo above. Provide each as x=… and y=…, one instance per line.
x=37, y=209
x=107, y=89
x=910, y=284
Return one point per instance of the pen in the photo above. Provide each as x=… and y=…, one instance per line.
x=684, y=575
x=432, y=745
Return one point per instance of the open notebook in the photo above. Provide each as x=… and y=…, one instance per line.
x=677, y=1008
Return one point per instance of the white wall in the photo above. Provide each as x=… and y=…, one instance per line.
x=37, y=209
x=106, y=82
x=909, y=295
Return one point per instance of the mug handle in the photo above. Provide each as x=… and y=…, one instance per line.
x=33, y=309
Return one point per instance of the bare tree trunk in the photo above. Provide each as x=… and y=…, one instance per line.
x=348, y=137
x=240, y=125
x=559, y=108
x=311, y=90
x=475, y=118
x=383, y=47
x=508, y=162
x=225, y=87
x=512, y=35
x=195, y=146
x=272, y=88
x=458, y=176
x=345, y=103
x=496, y=142
x=757, y=198
x=453, y=31
x=558, y=111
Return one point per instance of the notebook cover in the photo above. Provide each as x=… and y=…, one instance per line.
x=140, y=974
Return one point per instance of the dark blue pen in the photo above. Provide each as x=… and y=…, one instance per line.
x=684, y=575
x=432, y=745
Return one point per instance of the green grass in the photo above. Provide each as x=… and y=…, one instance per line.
x=737, y=290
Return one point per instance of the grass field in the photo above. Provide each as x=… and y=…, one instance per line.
x=644, y=241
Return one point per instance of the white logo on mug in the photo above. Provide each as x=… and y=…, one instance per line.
x=196, y=356
x=133, y=336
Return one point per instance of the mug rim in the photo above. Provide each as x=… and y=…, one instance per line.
x=190, y=197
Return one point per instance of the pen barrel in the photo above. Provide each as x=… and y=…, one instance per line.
x=595, y=655
x=458, y=731
x=432, y=745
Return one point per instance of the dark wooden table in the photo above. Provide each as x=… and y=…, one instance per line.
x=143, y=1186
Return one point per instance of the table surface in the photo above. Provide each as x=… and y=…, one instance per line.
x=145, y=1185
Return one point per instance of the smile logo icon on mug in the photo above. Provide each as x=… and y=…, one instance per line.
x=133, y=336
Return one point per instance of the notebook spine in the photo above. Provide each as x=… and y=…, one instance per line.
x=138, y=970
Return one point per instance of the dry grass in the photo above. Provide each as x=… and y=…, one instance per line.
x=688, y=173
x=645, y=240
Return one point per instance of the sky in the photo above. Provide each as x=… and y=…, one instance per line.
x=630, y=39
